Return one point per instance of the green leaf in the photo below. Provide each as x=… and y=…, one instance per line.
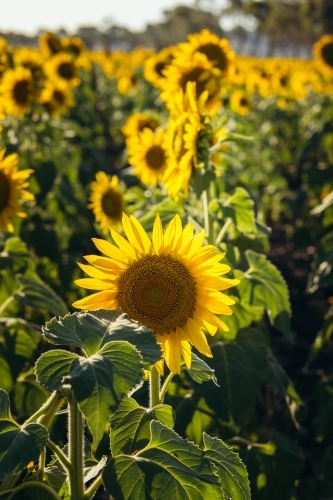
x=273, y=468
x=200, y=371
x=263, y=285
x=36, y=293
x=323, y=337
x=29, y=396
x=322, y=275
x=91, y=330
x=130, y=425
x=242, y=316
x=18, y=445
x=239, y=208
x=169, y=467
x=99, y=382
x=167, y=209
x=240, y=368
x=230, y=468
x=90, y=472
x=53, y=367
x=6, y=379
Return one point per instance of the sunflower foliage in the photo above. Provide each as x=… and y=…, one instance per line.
x=188, y=356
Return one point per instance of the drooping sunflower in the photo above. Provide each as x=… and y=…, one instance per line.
x=106, y=200
x=240, y=103
x=62, y=67
x=147, y=154
x=49, y=45
x=193, y=68
x=182, y=134
x=56, y=98
x=136, y=123
x=171, y=284
x=216, y=49
x=323, y=51
x=12, y=189
x=17, y=91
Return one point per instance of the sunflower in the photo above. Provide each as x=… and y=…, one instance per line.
x=56, y=98
x=76, y=48
x=193, y=68
x=170, y=284
x=49, y=45
x=216, y=49
x=136, y=123
x=32, y=60
x=240, y=103
x=6, y=59
x=106, y=200
x=12, y=189
x=147, y=154
x=17, y=91
x=127, y=81
x=155, y=65
x=182, y=134
x=62, y=67
x=323, y=51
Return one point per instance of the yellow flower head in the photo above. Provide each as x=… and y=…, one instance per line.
x=171, y=284
x=32, y=60
x=146, y=153
x=155, y=66
x=181, y=139
x=6, y=59
x=62, y=67
x=216, y=49
x=193, y=68
x=12, y=189
x=323, y=51
x=136, y=123
x=77, y=49
x=17, y=91
x=106, y=200
x=240, y=103
x=49, y=45
x=56, y=98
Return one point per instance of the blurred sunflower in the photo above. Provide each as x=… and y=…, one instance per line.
x=12, y=189
x=106, y=200
x=155, y=65
x=17, y=91
x=181, y=139
x=49, y=44
x=216, y=49
x=76, y=48
x=147, y=154
x=195, y=68
x=126, y=81
x=6, y=59
x=170, y=284
x=56, y=98
x=32, y=60
x=323, y=51
x=240, y=103
x=137, y=123
x=62, y=67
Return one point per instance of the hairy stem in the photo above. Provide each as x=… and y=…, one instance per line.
x=75, y=450
x=165, y=386
x=154, y=388
x=48, y=410
x=90, y=492
x=60, y=455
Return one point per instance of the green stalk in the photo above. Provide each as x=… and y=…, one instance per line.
x=60, y=455
x=154, y=388
x=90, y=492
x=165, y=386
x=223, y=231
x=48, y=411
x=208, y=220
x=75, y=450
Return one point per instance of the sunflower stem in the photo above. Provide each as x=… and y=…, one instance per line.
x=165, y=386
x=208, y=220
x=75, y=450
x=154, y=388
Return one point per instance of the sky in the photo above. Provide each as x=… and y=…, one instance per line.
x=28, y=16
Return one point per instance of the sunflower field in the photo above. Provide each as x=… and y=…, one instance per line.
x=166, y=273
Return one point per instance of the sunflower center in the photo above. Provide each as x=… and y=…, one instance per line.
x=215, y=54
x=74, y=49
x=112, y=204
x=59, y=96
x=4, y=191
x=146, y=124
x=196, y=75
x=21, y=91
x=158, y=291
x=155, y=158
x=54, y=45
x=159, y=67
x=327, y=53
x=66, y=70
x=243, y=102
